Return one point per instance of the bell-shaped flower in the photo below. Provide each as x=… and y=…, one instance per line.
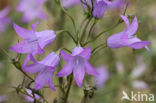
x=4, y=19
x=30, y=93
x=34, y=42
x=46, y=68
x=102, y=77
x=32, y=9
x=127, y=38
x=69, y=3
x=77, y=63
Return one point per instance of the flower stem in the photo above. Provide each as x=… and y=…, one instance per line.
x=68, y=90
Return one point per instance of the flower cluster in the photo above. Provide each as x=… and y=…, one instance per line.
x=77, y=62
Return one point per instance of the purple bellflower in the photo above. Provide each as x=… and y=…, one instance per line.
x=69, y=3
x=127, y=38
x=77, y=63
x=4, y=20
x=34, y=42
x=32, y=9
x=30, y=99
x=46, y=68
x=102, y=77
x=100, y=7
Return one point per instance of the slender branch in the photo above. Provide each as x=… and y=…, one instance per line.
x=70, y=35
x=69, y=17
x=89, y=34
x=68, y=90
x=100, y=34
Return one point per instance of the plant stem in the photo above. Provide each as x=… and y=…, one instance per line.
x=70, y=35
x=68, y=90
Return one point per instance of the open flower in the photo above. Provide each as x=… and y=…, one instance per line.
x=77, y=63
x=4, y=20
x=127, y=38
x=102, y=77
x=30, y=99
x=34, y=42
x=32, y=9
x=46, y=68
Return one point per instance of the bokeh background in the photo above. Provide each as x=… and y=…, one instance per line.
x=122, y=64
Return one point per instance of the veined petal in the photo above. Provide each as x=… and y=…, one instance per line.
x=66, y=70
x=139, y=45
x=42, y=78
x=132, y=28
x=65, y=56
x=33, y=26
x=33, y=68
x=22, y=47
x=23, y=32
x=45, y=37
x=50, y=81
x=125, y=20
x=86, y=53
x=77, y=51
x=99, y=8
x=89, y=69
x=28, y=58
x=79, y=73
x=51, y=60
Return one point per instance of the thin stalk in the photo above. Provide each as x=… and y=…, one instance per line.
x=69, y=34
x=69, y=17
x=68, y=90
x=100, y=34
x=85, y=29
x=89, y=34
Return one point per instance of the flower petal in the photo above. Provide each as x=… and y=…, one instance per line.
x=23, y=32
x=33, y=26
x=45, y=37
x=66, y=70
x=86, y=53
x=33, y=68
x=125, y=20
x=76, y=51
x=42, y=78
x=51, y=60
x=50, y=81
x=132, y=28
x=139, y=45
x=28, y=58
x=65, y=56
x=99, y=8
x=23, y=47
x=79, y=73
x=89, y=69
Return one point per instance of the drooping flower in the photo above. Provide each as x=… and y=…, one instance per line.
x=140, y=85
x=127, y=38
x=32, y=9
x=34, y=42
x=4, y=19
x=102, y=77
x=69, y=3
x=30, y=99
x=46, y=68
x=77, y=63
x=100, y=8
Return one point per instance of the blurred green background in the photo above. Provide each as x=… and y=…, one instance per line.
x=124, y=59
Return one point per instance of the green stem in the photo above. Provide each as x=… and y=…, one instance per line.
x=100, y=34
x=89, y=34
x=69, y=17
x=70, y=35
x=68, y=90
x=84, y=30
